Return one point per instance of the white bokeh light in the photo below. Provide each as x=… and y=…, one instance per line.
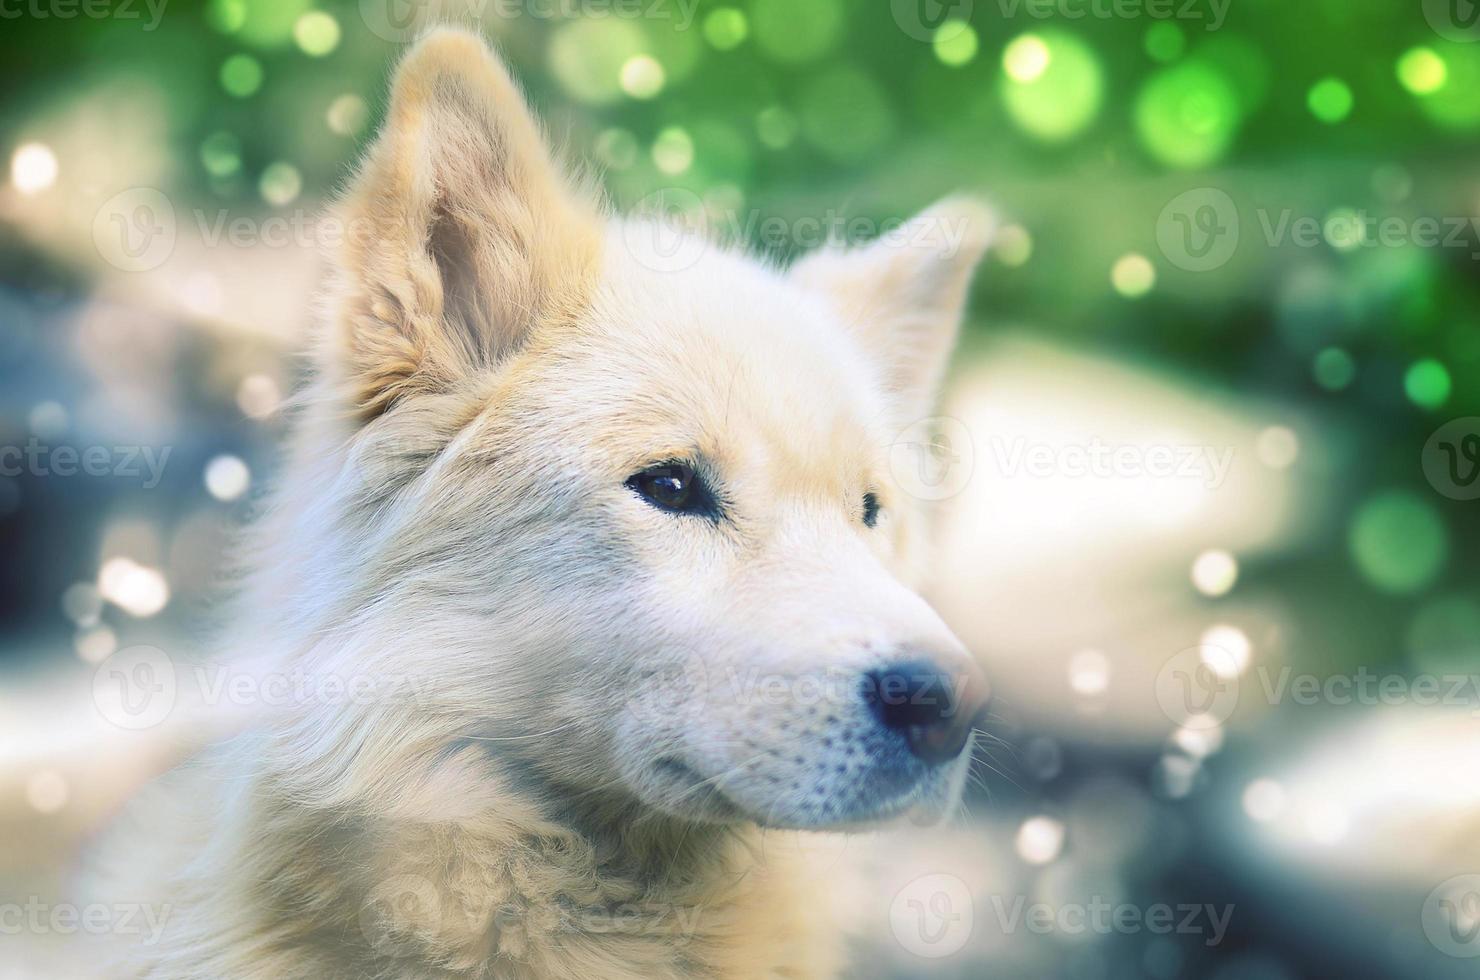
x=227, y=477
x=1089, y=672
x=33, y=168
x=136, y=589
x=1040, y=839
x=1214, y=572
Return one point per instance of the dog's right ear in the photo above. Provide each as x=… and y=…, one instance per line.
x=462, y=233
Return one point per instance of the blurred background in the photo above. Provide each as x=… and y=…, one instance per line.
x=1208, y=469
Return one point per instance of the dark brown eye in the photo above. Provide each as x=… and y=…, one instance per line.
x=674, y=487
x=870, y=509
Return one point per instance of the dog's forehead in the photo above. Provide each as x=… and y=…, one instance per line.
x=721, y=352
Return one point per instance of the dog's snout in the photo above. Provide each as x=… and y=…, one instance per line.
x=933, y=707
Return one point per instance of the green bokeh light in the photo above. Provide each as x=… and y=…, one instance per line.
x=797, y=32
x=1013, y=246
x=617, y=148
x=227, y=16
x=587, y=56
x=1187, y=115
x=673, y=151
x=316, y=33
x=642, y=77
x=1398, y=542
x=846, y=114
x=1455, y=104
x=1421, y=71
x=221, y=154
x=1053, y=85
x=956, y=43
x=1165, y=41
x=1344, y=229
x=269, y=23
x=1026, y=58
x=726, y=28
x=776, y=127
x=241, y=75
x=281, y=183
x=1133, y=276
x=1427, y=383
x=1334, y=369
x=1330, y=100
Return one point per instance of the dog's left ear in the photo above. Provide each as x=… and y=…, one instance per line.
x=462, y=233
x=904, y=294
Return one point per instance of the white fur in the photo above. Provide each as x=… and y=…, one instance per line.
x=603, y=711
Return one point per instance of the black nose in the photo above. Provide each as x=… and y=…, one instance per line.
x=934, y=708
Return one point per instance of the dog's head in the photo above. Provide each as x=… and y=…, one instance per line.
x=636, y=523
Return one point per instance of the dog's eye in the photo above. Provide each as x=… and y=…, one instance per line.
x=674, y=487
x=870, y=509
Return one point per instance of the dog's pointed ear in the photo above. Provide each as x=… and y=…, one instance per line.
x=904, y=294
x=462, y=233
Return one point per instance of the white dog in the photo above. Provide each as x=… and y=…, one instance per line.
x=610, y=561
